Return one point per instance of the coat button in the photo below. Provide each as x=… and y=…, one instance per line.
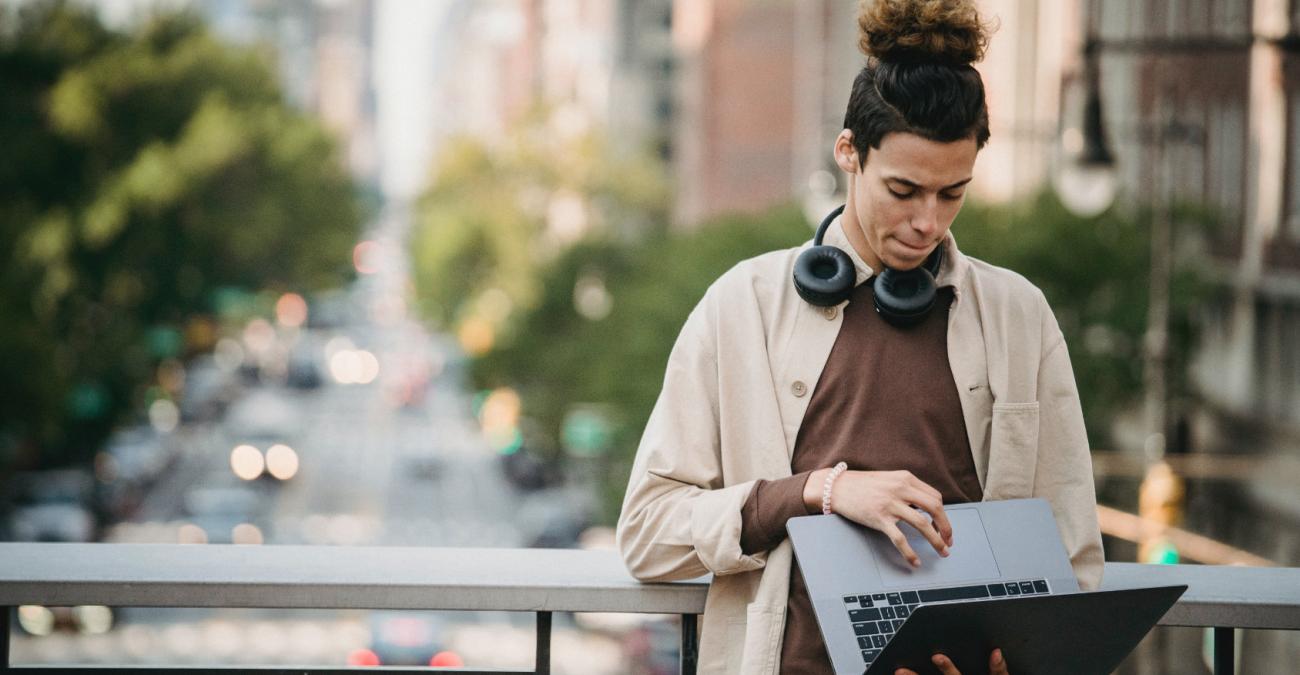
x=830, y=312
x=799, y=388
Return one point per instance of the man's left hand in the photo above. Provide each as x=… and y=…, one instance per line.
x=997, y=665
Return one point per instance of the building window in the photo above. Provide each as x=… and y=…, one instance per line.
x=1225, y=151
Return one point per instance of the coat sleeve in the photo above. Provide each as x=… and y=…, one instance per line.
x=1064, y=469
x=678, y=520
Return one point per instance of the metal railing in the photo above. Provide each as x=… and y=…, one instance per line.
x=541, y=581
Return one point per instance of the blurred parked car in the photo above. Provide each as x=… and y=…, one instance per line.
x=267, y=421
x=208, y=390
x=526, y=472
x=227, y=515
x=653, y=648
x=406, y=638
x=305, y=362
x=54, y=506
x=131, y=463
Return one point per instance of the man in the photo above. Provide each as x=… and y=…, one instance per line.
x=765, y=392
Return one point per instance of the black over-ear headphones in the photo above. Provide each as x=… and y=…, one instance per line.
x=825, y=276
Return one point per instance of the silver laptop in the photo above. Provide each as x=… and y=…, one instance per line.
x=862, y=589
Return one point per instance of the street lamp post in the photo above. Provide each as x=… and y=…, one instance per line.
x=1162, y=486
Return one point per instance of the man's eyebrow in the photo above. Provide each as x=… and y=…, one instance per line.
x=908, y=183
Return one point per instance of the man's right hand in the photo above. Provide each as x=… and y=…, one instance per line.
x=880, y=499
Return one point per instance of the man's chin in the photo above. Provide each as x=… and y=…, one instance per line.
x=905, y=263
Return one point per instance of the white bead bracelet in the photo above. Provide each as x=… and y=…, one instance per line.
x=826, y=487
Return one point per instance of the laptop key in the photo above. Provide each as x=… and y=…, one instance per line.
x=865, y=642
x=894, y=599
x=865, y=601
x=870, y=654
x=898, y=623
x=850, y=599
x=886, y=612
x=878, y=597
x=885, y=627
x=903, y=612
x=997, y=590
x=1013, y=588
x=857, y=615
x=1040, y=586
x=910, y=597
x=878, y=641
x=868, y=628
x=957, y=593
x=1026, y=588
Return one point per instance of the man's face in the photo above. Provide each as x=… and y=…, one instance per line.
x=902, y=202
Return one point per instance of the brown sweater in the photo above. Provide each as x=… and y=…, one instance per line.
x=885, y=401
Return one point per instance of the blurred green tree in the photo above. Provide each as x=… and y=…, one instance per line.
x=559, y=357
x=142, y=172
x=498, y=212
x=1093, y=272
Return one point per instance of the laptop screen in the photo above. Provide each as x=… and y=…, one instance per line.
x=970, y=556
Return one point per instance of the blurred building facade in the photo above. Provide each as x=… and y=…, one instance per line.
x=762, y=87
x=1226, y=73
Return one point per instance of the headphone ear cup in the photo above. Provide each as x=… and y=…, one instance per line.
x=904, y=298
x=824, y=276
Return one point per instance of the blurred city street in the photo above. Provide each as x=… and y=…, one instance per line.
x=342, y=273
x=389, y=462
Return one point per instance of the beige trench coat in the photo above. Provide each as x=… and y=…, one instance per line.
x=737, y=384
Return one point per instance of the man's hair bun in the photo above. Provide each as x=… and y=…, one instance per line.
x=921, y=31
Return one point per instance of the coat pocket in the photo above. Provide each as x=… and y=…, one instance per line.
x=753, y=645
x=1013, y=451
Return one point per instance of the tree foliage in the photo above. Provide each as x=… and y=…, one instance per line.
x=497, y=213
x=1094, y=272
x=143, y=171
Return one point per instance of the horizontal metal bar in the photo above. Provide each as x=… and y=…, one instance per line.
x=334, y=577
x=1219, y=595
x=528, y=580
x=269, y=670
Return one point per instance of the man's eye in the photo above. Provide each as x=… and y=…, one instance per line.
x=951, y=197
x=900, y=195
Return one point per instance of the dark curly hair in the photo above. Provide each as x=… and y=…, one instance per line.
x=918, y=78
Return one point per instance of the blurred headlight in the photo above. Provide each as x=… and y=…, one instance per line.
x=35, y=619
x=247, y=462
x=281, y=461
x=93, y=619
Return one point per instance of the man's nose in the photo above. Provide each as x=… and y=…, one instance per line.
x=926, y=218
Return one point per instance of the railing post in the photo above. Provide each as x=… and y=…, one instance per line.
x=543, y=658
x=4, y=637
x=1224, y=647
x=690, y=644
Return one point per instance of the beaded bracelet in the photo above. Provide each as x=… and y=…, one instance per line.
x=826, y=487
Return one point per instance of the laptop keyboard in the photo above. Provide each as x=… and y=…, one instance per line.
x=876, y=617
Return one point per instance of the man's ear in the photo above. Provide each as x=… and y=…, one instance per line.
x=846, y=156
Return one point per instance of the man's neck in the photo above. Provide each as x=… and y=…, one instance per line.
x=849, y=226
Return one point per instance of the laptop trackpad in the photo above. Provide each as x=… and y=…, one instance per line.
x=969, y=558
